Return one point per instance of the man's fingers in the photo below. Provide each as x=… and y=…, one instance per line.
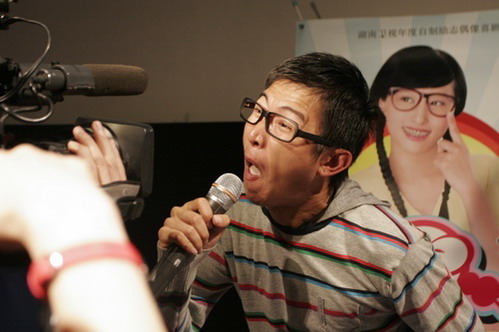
x=169, y=237
x=83, y=152
x=220, y=223
x=109, y=150
x=83, y=137
x=73, y=147
x=100, y=152
x=192, y=226
x=89, y=150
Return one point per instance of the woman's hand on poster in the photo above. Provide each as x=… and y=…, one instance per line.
x=453, y=159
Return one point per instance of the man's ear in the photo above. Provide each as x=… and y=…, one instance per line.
x=334, y=161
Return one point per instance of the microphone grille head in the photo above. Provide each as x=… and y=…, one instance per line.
x=117, y=80
x=226, y=190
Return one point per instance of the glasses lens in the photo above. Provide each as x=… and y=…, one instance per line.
x=281, y=127
x=440, y=105
x=405, y=100
x=250, y=111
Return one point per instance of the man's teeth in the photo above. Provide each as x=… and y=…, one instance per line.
x=254, y=170
x=417, y=133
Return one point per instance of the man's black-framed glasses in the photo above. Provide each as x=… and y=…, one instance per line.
x=276, y=125
x=405, y=99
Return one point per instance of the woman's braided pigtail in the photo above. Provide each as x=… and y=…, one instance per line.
x=385, y=168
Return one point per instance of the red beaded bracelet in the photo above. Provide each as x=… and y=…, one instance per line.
x=43, y=270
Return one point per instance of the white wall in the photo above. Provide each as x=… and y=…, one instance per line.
x=202, y=57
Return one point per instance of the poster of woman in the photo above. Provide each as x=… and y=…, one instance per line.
x=435, y=155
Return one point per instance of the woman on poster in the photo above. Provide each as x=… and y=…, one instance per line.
x=429, y=170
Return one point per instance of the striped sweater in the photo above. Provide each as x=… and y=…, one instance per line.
x=360, y=267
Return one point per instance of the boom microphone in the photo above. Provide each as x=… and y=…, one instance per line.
x=91, y=80
x=57, y=80
x=221, y=196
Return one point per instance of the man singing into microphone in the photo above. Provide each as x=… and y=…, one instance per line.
x=305, y=248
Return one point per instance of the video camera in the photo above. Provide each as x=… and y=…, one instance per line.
x=30, y=88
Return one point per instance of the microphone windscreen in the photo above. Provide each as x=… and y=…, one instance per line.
x=117, y=80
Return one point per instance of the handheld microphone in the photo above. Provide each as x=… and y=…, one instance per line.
x=221, y=196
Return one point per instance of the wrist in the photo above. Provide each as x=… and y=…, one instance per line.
x=43, y=270
x=50, y=229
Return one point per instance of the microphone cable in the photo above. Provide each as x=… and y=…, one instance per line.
x=15, y=113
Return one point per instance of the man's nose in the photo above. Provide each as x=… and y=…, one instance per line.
x=256, y=133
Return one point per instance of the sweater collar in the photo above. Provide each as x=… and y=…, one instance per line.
x=348, y=196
